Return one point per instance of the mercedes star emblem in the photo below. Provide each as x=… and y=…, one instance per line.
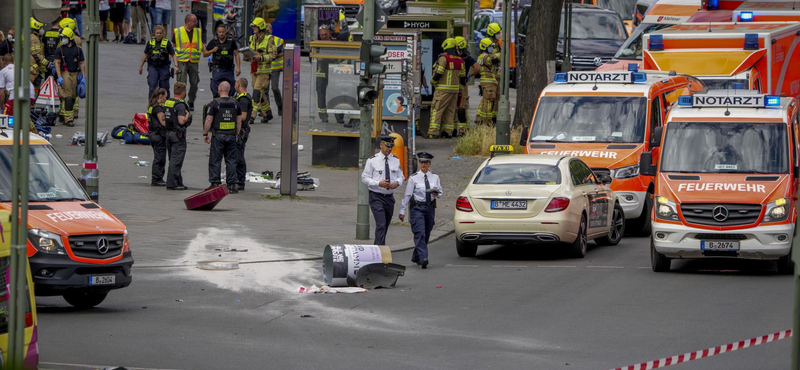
x=598, y=61
x=508, y=192
x=102, y=245
x=720, y=213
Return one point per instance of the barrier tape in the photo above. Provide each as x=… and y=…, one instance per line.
x=691, y=356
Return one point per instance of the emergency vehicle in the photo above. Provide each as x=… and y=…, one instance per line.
x=760, y=55
x=31, y=346
x=726, y=179
x=660, y=15
x=76, y=248
x=608, y=119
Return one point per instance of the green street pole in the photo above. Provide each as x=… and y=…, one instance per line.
x=90, y=172
x=503, y=109
x=365, y=132
x=19, y=191
x=471, y=31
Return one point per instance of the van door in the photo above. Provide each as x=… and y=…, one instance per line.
x=656, y=118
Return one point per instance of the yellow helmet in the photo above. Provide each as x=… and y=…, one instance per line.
x=260, y=23
x=448, y=44
x=485, y=44
x=461, y=43
x=67, y=23
x=68, y=33
x=35, y=24
x=493, y=29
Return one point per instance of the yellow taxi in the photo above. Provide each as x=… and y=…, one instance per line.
x=537, y=199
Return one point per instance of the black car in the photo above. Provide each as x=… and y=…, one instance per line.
x=597, y=34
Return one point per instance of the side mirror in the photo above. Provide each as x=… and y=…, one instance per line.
x=604, y=179
x=655, y=141
x=646, y=164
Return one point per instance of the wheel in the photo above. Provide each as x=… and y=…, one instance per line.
x=466, y=249
x=617, y=228
x=578, y=247
x=85, y=299
x=658, y=261
x=786, y=265
x=640, y=226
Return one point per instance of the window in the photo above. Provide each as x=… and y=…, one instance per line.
x=519, y=173
x=655, y=116
x=581, y=173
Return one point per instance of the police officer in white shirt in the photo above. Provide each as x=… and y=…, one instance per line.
x=421, y=192
x=382, y=174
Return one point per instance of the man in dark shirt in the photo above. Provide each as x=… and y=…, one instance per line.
x=224, y=52
x=224, y=119
x=246, y=104
x=69, y=63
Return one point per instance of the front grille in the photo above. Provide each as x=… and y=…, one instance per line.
x=761, y=178
x=350, y=11
x=738, y=214
x=601, y=171
x=588, y=61
x=684, y=177
x=86, y=245
x=720, y=236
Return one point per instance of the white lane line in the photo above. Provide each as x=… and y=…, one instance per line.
x=606, y=267
x=451, y=265
x=82, y=366
x=510, y=266
x=644, y=267
x=556, y=266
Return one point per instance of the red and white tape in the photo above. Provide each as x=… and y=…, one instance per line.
x=691, y=356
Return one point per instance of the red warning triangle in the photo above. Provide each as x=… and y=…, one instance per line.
x=49, y=89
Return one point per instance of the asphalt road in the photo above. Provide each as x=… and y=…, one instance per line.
x=508, y=308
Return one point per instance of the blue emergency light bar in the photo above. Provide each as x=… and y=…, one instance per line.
x=712, y=5
x=633, y=67
x=731, y=101
x=600, y=77
x=750, y=41
x=746, y=17
x=656, y=43
x=561, y=77
x=10, y=121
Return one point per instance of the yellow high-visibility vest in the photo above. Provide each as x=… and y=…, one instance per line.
x=185, y=50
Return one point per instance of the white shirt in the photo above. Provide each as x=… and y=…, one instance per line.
x=416, y=188
x=104, y=5
x=7, y=82
x=374, y=173
x=163, y=4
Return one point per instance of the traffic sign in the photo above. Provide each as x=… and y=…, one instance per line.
x=48, y=92
x=380, y=18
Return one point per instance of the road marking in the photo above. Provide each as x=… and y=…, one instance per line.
x=88, y=367
x=72, y=164
x=451, y=265
x=644, y=267
x=606, y=267
x=556, y=266
x=510, y=266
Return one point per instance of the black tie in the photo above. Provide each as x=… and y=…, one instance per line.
x=427, y=194
x=386, y=168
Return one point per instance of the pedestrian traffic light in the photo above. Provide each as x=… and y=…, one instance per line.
x=371, y=59
x=366, y=94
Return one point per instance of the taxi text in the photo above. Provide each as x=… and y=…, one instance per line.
x=79, y=215
x=583, y=153
x=750, y=188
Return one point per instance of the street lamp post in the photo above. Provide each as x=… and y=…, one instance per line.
x=503, y=136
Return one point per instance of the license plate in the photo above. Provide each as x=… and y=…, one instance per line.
x=101, y=280
x=509, y=204
x=719, y=246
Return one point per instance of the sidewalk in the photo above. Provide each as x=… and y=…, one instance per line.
x=162, y=228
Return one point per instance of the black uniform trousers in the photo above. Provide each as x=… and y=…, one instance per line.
x=421, y=218
x=176, y=148
x=382, y=206
x=218, y=75
x=158, y=141
x=241, y=166
x=223, y=146
x=157, y=77
x=322, y=101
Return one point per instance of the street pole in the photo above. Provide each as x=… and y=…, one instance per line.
x=365, y=132
x=566, y=64
x=89, y=173
x=471, y=30
x=19, y=187
x=503, y=136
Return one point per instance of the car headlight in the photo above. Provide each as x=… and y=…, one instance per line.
x=126, y=242
x=776, y=211
x=626, y=172
x=666, y=209
x=45, y=241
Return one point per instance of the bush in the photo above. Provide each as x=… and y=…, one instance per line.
x=480, y=137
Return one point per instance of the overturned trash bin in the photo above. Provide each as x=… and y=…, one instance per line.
x=367, y=266
x=206, y=200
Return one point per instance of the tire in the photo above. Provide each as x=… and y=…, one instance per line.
x=641, y=226
x=658, y=261
x=466, y=249
x=785, y=265
x=85, y=299
x=616, y=230
x=578, y=247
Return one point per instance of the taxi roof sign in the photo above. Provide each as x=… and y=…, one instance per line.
x=728, y=100
x=501, y=148
x=600, y=77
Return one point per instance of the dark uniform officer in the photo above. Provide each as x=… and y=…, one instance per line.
x=224, y=52
x=246, y=104
x=224, y=119
x=382, y=174
x=50, y=42
x=178, y=119
x=157, y=135
x=158, y=53
x=421, y=192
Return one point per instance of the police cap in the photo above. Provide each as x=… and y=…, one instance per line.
x=424, y=156
x=387, y=140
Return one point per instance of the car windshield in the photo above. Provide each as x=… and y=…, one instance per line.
x=726, y=147
x=603, y=119
x=594, y=25
x=632, y=48
x=625, y=8
x=723, y=84
x=519, y=173
x=49, y=179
